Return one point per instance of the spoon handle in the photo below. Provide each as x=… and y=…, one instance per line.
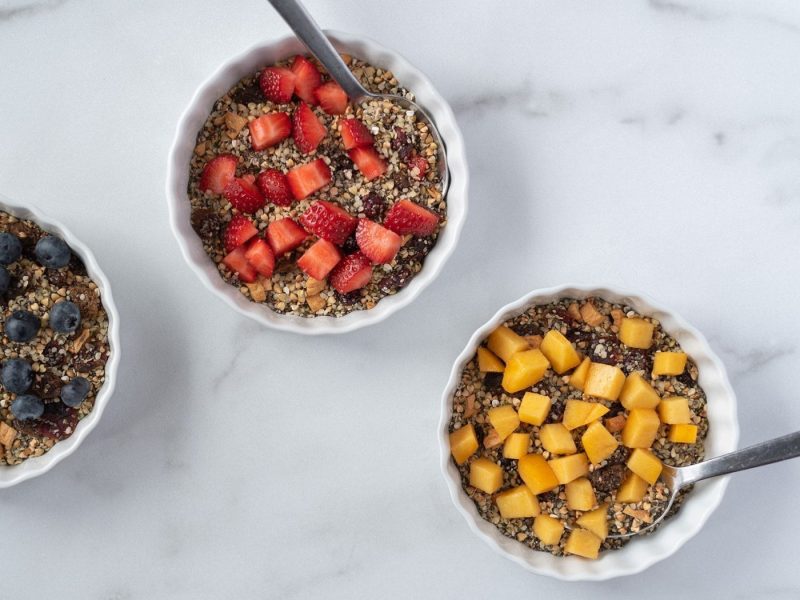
x=304, y=26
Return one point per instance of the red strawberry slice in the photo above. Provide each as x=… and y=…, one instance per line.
x=307, y=130
x=218, y=173
x=369, y=162
x=405, y=218
x=419, y=163
x=319, y=259
x=308, y=178
x=239, y=230
x=243, y=195
x=237, y=262
x=277, y=84
x=285, y=235
x=307, y=79
x=275, y=187
x=353, y=272
x=268, y=130
x=329, y=221
x=260, y=256
x=355, y=134
x=377, y=243
x=332, y=98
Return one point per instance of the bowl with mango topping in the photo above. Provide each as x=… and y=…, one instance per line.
x=558, y=418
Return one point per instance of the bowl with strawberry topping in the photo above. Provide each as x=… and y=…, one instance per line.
x=308, y=212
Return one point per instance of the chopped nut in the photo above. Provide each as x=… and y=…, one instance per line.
x=615, y=424
x=574, y=311
x=200, y=149
x=640, y=514
x=314, y=286
x=493, y=439
x=534, y=340
x=617, y=315
x=257, y=291
x=346, y=58
x=7, y=434
x=316, y=303
x=591, y=315
x=79, y=341
x=470, y=410
x=235, y=122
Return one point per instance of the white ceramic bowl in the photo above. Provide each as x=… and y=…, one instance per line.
x=248, y=63
x=642, y=552
x=12, y=475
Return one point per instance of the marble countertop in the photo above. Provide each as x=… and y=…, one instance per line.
x=654, y=145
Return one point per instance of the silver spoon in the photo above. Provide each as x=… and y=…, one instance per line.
x=306, y=29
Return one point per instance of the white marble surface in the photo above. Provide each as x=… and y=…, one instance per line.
x=650, y=144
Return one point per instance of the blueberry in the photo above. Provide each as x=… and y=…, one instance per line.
x=17, y=375
x=75, y=391
x=22, y=326
x=5, y=280
x=27, y=407
x=10, y=248
x=52, y=252
x=65, y=316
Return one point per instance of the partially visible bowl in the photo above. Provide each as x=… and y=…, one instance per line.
x=642, y=552
x=248, y=63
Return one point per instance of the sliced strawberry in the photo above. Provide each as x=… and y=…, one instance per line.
x=368, y=161
x=307, y=79
x=405, y=218
x=353, y=272
x=218, y=173
x=419, y=163
x=239, y=230
x=319, y=259
x=329, y=221
x=237, y=262
x=260, y=256
x=308, y=178
x=268, y=130
x=377, y=243
x=332, y=98
x=355, y=134
x=307, y=130
x=243, y=195
x=285, y=235
x=277, y=84
x=275, y=187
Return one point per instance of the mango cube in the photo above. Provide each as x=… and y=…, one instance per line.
x=583, y=543
x=598, y=443
x=669, y=363
x=516, y=445
x=578, y=413
x=517, y=503
x=604, y=381
x=638, y=393
x=505, y=343
x=559, y=351
x=596, y=521
x=636, y=333
x=641, y=428
x=578, y=377
x=580, y=494
x=548, y=529
x=488, y=361
x=682, y=433
x=485, y=475
x=569, y=468
x=674, y=410
x=645, y=464
x=463, y=443
x=536, y=473
x=504, y=419
x=524, y=369
x=557, y=439
x=534, y=408
x=632, y=489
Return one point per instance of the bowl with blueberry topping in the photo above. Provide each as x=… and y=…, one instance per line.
x=60, y=343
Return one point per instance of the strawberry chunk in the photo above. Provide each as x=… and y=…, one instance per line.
x=420, y=164
x=353, y=272
x=243, y=195
x=307, y=130
x=377, y=243
x=260, y=256
x=369, y=162
x=268, y=130
x=239, y=230
x=355, y=134
x=329, y=221
x=218, y=173
x=284, y=235
x=405, y=218
x=307, y=79
x=308, y=178
x=277, y=84
x=319, y=259
x=237, y=262
x=275, y=187
x=332, y=98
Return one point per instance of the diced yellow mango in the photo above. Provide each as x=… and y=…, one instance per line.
x=524, y=369
x=463, y=443
x=641, y=428
x=598, y=410
x=578, y=377
x=517, y=503
x=580, y=494
x=583, y=543
x=598, y=443
x=569, y=468
x=604, y=381
x=636, y=333
x=682, y=433
x=578, y=413
x=596, y=521
x=632, y=489
x=488, y=361
x=674, y=410
x=536, y=473
x=485, y=475
x=557, y=439
x=645, y=464
x=559, y=351
x=548, y=529
x=669, y=363
x=504, y=419
x=516, y=445
x=638, y=393
x=505, y=343
x=534, y=408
